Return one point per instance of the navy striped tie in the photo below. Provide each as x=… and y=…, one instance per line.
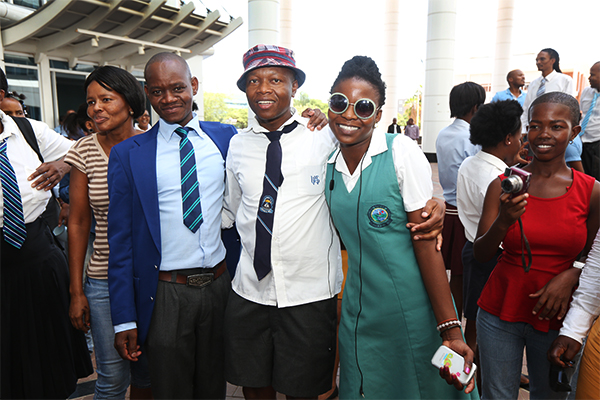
x=190, y=194
x=14, y=222
x=266, y=209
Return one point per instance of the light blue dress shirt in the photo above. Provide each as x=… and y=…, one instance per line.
x=180, y=247
x=452, y=147
x=574, y=150
x=507, y=95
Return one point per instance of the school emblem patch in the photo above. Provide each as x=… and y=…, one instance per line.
x=379, y=216
x=266, y=205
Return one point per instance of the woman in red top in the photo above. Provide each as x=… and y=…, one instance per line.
x=560, y=216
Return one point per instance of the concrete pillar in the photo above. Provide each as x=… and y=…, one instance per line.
x=390, y=63
x=286, y=24
x=263, y=22
x=49, y=116
x=195, y=64
x=439, y=70
x=502, y=54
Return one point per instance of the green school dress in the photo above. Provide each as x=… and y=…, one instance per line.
x=388, y=329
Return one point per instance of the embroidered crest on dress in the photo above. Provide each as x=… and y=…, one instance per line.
x=266, y=205
x=379, y=216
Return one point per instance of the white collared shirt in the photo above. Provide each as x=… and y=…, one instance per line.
x=592, y=130
x=305, y=250
x=555, y=82
x=24, y=161
x=412, y=169
x=474, y=177
x=585, y=307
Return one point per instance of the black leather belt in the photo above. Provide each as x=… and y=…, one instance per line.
x=198, y=278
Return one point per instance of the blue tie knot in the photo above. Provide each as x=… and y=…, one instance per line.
x=182, y=131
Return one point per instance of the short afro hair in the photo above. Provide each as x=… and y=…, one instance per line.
x=120, y=81
x=559, y=98
x=464, y=97
x=492, y=122
x=364, y=68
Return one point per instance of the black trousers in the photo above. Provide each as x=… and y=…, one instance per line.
x=185, y=340
x=590, y=159
x=42, y=355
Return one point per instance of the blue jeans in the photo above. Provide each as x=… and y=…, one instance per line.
x=501, y=345
x=113, y=371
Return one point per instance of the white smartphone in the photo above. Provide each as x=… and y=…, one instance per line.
x=444, y=356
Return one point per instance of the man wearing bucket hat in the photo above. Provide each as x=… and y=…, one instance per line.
x=281, y=316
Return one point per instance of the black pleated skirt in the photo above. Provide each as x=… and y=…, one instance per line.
x=42, y=355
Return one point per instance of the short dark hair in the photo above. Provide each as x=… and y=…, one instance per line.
x=3, y=81
x=559, y=98
x=464, y=97
x=553, y=54
x=492, y=122
x=364, y=68
x=122, y=82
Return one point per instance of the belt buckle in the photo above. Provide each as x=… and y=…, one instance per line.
x=200, y=280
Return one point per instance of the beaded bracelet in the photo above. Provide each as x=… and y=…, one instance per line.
x=447, y=329
x=445, y=324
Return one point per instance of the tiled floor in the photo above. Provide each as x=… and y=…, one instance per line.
x=235, y=392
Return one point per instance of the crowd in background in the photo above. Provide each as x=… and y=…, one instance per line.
x=182, y=281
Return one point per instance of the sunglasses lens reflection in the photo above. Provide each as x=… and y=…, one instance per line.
x=364, y=109
x=338, y=103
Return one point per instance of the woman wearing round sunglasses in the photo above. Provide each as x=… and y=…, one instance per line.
x=396, y=290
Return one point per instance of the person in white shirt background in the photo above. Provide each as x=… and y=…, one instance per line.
x=551, y=80
x=585, y=309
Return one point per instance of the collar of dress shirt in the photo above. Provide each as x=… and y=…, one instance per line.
x=461, y=123
x=167, y=130
x=377, y=146
x=254, y=126
x=8, y=126
x=492, y=159
x=551, y=75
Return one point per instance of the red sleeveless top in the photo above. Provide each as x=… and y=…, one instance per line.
x=557, y=231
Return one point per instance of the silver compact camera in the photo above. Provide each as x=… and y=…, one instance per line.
x=516, y=182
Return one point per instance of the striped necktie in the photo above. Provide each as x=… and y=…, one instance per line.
x=542, y=89
x=14, y=222
x=266, y=208
x=589, y=113
x=190, y=194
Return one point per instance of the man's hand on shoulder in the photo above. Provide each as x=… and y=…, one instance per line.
x=317, y=118
x=49, y=174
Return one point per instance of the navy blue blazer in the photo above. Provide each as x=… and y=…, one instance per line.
x=134, y=224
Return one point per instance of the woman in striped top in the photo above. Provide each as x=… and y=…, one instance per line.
x=114, y=99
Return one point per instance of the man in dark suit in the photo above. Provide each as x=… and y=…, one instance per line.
x=394, y=127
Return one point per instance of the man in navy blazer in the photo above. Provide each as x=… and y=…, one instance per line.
x=168, y=284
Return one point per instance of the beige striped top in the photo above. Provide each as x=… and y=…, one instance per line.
x=88, y=157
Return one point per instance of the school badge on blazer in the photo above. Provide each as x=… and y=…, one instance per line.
x=379, y=216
